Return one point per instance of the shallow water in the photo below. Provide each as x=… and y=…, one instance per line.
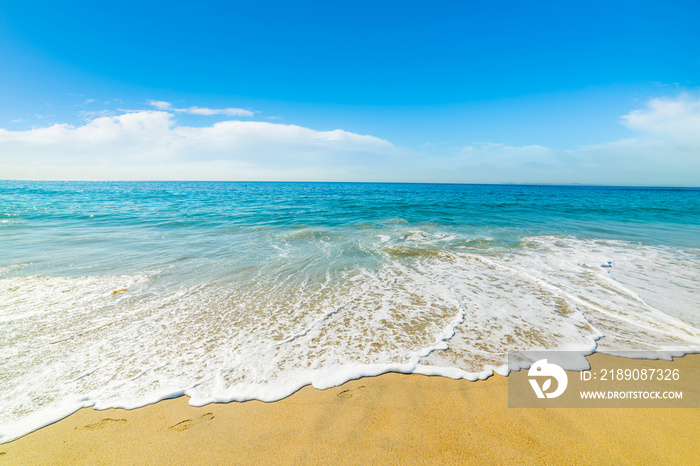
x=236, y=291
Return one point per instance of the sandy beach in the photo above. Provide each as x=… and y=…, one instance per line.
x=392, y=418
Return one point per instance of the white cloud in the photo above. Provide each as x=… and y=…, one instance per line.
x=161, y=105
x=665, y=151
x=217, y=111
x=676, y=120
x=150, y=145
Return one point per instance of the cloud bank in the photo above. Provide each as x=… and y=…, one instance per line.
x=151, y=145
x=671, y=119
x=665, y=152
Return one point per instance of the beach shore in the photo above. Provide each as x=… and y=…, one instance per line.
x=392, y=419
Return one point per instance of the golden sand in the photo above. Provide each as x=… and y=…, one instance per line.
x=390, y=419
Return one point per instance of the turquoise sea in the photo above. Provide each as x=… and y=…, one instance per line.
x=121, y=294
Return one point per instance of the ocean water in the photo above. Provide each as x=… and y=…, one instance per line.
x=237, y=291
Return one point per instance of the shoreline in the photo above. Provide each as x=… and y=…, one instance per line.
x=391, y=418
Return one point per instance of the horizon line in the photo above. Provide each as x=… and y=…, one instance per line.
x=583, y=185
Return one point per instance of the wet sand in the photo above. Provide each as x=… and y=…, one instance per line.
x=392, y=419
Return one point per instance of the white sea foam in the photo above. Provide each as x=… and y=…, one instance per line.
x=424, y=304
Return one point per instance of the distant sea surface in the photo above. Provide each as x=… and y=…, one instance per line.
x=122, y=294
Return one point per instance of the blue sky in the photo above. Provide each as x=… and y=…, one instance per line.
x=455, y=91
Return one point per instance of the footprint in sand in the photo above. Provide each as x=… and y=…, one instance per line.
x=350, y=393
x=187, y=423
x=102, y=423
